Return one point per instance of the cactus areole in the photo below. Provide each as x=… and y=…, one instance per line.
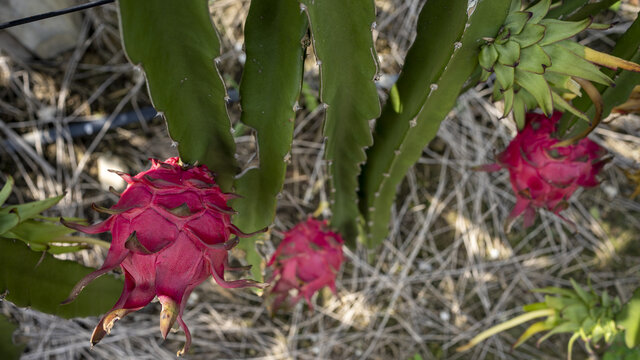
x=308, y=259
x=542, y=174
x=170, y=229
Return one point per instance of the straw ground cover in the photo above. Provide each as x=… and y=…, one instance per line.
x=447, y=271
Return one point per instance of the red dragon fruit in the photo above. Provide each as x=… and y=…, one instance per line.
x=308, y=259
x=543, y=175
x=170, y=229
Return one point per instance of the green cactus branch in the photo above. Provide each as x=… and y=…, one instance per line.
x=591, y=9
x=440, y=26
x=399, y=140
x=343, y=43
x=269, y=91
x=40, y=281
x=184, y=84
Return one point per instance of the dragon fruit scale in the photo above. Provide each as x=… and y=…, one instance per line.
x=170, y=229
x=542, y=174
x=308, y=259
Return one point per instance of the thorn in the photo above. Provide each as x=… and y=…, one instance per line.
x=105, y=210
x=168, y=315
x=181, y=210
x=126, y=177
x=133, y=244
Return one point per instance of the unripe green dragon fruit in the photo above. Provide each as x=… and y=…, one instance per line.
x=171, y=230
x=585, y=314
x=537, y=63
x=308, y=259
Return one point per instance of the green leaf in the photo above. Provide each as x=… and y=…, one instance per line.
x=505, y=75
x=497, y=93
x=344, y=48
x=38, y=231
x=567, y=62
x=516, y=21
x=176, y=44
x=561, y=104
x=535, y=306
x=516, y=5
x=519, y=109
x=41, y=282
x=538, y=87
x=583, y=294
x=8, y=222
x=557, y=30
x=437, y=77
x=531, y=34
x=629, y=319
x=509, y=53
x=575, y=312
x=508, y=101
x=6, y=190
x=8, y=349
x=488, y=57
x=556, y=291
x=566, y=327
x=564, y=83
x=539, y=10
x=596, y=26
x=269, y=91
x=32, y=209
x=532, y=330
x=559, y=303
x=534, y=60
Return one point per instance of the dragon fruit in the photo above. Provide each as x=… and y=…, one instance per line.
x=544, y=175
x=308, y=259
x=170, y=229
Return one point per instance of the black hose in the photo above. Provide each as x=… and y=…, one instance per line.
x=82, y=128
x=53, y=14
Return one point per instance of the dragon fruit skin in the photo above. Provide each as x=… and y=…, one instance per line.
x=308, y=259
x=170, y=230
x=544, y=176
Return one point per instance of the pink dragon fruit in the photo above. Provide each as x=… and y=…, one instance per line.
x=308, y=259
x=170, y=230
x=544, y=176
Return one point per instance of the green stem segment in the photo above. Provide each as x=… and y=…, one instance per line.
x=343, y=43
x=442, y=58
x=176, y=45
x=269, y=89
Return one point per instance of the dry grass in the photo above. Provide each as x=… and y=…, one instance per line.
x=447, y=271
